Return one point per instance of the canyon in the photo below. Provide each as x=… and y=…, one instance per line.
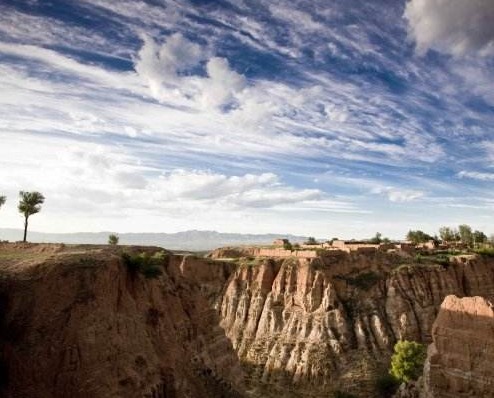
x=76, y=321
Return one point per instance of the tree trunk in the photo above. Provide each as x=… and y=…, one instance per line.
x=25, y=227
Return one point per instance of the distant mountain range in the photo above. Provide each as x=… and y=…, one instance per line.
x=186, y=240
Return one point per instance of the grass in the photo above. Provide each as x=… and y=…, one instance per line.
x=440, y=259
x=19, y=255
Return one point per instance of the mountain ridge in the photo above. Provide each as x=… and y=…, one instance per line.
x=194, y=240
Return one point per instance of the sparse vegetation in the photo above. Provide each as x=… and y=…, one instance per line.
x=479, y=238
x=148, y=265
x=113, y=239
x=485, y=251
x=29, y=204
x=418, y=236
x=407, y=362
x=249, y=261
x=448, y=234
x=442, y=259
x=376, y=239
x=287, y=245
x=466, y=235
x=311, y=241
x=3, y=199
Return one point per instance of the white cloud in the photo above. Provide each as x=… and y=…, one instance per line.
x=301, y=19
x=187, y=136
x=202, y=185
x=223, y=84
x=91, y=180
x=233, y=192
x=43, y=30
x=162, y=66
x=455, y=27
x=90, y=73
x=404, y=196
x=163, y=63
x=398, y=194
x=476, y=175
x=212, y=110
x=166, y=70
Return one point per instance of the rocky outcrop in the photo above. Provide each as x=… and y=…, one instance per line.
x=77, y=323
x=460, y=361
x=305, y=327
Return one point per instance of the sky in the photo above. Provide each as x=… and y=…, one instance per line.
x=325, y=118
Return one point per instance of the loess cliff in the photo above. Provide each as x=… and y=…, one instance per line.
x=311, y=327
x=76, y=321
x=460, y=361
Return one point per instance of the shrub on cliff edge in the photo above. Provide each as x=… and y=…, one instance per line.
x=149, y=266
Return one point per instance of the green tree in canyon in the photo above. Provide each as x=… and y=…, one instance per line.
x=407, y=362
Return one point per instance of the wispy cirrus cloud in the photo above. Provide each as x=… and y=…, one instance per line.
x=476, y=175
x=321, y=109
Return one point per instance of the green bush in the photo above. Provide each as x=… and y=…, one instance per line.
x=287, y=245
x=485, y=251
x=147, y=265
x=151, y=271
x=442, y=259
x=407, y=362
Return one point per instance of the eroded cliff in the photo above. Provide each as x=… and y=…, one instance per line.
x=460, y=361
x=76, y=323
x=310, y=327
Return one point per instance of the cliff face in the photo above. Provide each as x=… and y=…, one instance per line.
x=75, y=323
x=306, y=327
x=460, y=361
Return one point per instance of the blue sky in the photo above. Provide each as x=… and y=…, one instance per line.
x=313, y=117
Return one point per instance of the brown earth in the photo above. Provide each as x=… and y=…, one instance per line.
x=309, y=328
x=460, y=360
x=76, y=322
